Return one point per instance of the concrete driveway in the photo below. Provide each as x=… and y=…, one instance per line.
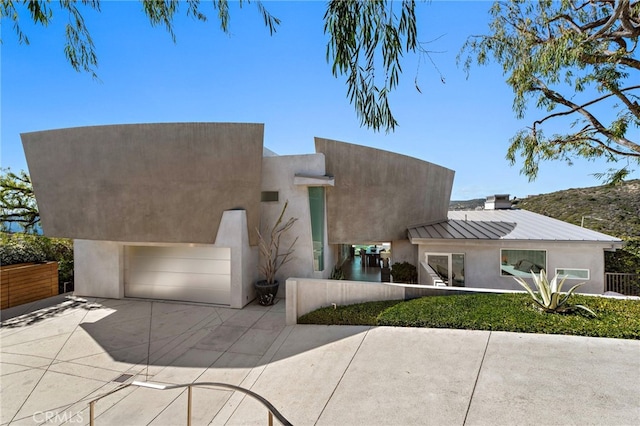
x=54, y=360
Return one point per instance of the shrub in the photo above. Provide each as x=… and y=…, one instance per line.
x=26, y=248
x=404, y=272
x=21, y=248
x=515, y=312
x=507, y=312
x=626, y=260
x=358, y=314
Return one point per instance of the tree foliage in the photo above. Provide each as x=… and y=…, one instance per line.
x=17, y=201
x=575, y=59
x=364, y=36
x=25, y=248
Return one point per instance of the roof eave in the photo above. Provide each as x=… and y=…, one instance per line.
x=608, y=245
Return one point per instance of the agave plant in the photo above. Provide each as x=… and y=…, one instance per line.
x=549, y=296
x=337, y=274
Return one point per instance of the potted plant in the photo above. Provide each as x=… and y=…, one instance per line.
x=272, y=259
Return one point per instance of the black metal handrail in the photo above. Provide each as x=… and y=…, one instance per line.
x=271, y=409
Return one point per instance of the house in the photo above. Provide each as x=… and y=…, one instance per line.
x=170, y=211
x=487, y=248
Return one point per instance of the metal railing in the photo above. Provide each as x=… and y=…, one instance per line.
x=627, y=284
x=272, y=411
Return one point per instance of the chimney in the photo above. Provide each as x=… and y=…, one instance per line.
x=497, y=202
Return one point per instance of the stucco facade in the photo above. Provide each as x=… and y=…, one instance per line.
x=378, y=194
x=482, y=262
x=279, y=174
x=149, y=203
x=170, y=211
x=166, y=182
x=486, y=249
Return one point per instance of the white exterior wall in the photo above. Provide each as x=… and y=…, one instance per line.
x=233, y=233
x=404, y=251
x=482, y=262
x=278, y=175
x=99, y=267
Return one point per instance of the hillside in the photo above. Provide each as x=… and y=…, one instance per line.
x=466, y=204
x=614, y=210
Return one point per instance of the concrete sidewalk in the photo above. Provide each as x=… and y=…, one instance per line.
x=54, y=360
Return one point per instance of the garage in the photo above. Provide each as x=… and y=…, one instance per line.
x=192, y=274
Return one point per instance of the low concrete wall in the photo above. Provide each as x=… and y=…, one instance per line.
x=429, y=276
x=305, y=294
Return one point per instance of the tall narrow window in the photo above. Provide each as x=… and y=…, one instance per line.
x=457, y=269
x=316, y=207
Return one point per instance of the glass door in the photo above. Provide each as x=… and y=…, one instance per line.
x=448, y=266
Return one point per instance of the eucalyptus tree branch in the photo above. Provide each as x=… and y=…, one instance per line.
x=617, y=12
x=612, y=149
x=557, y=97
x=585, y=105
x=363, y=34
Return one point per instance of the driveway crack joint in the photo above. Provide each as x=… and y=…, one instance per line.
x=475, y=384
x=342, y=376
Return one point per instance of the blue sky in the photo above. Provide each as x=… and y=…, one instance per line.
x=283, y=81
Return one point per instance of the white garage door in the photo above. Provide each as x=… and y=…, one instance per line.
x=194, y=274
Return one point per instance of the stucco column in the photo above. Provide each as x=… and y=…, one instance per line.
x=233, y=233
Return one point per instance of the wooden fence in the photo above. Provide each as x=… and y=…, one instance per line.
x=628, y=284
x=27, y=282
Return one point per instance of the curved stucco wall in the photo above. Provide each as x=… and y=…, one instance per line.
x=378, y=194
x=167, y=182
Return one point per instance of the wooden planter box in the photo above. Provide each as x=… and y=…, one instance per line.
x=27, y=282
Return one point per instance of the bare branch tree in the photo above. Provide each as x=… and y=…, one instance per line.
x=272, y=258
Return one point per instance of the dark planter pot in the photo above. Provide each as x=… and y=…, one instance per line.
x=385, y=275
x=266, y=292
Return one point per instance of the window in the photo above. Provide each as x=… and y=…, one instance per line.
x=316, y=207
x=269, y=196
x=522, y=262
x=573, y=274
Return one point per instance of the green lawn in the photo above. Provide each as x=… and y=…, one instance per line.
x=507, y=312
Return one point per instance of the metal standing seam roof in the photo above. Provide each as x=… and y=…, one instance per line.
x=505, y=224
x=463, y=230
